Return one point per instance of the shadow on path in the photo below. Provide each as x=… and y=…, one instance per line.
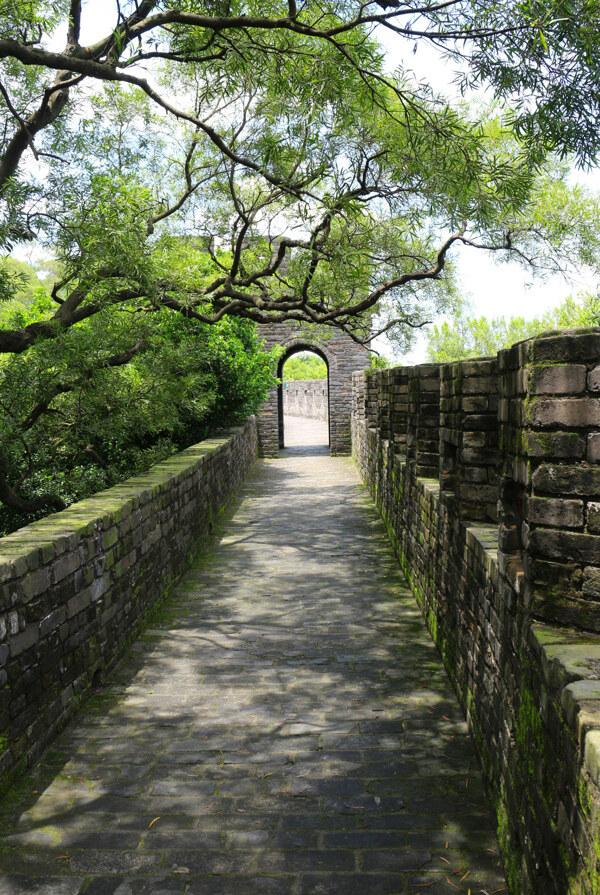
x=284, y=726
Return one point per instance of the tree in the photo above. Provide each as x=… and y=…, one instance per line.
x=80, y=412
x=466, y=336
x=399, y=142
x=234, y=160
x=304, y=365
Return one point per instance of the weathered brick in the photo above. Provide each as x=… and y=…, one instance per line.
x=563, y=379
x=591, y=581
x=52, y=621
x=481, y=385
x=556, y=444
x=18, y=643
x=567, y=347
x=593, y=518
x=593, y=447
x=561, y=479
x=65, y=566
x=110, y=538
x=580, y=412
x=548, y=511
x=594, y=379
x=565, y=545
x=35, y=583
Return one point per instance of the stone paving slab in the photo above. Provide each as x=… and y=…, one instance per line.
x=283, y=727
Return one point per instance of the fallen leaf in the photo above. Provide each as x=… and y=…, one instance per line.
x=465, y=876
x=206, y=807
x=450, y=883
x=153, y=821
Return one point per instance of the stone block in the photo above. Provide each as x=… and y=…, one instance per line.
x=564, y=545
x=594, y=379
x=578, y=412
x=591, y=581
x=566, y=347
x=481, y=385
x=35, y=583
x=475, y=404
x=563, y=379
x=23, y=641
x=556, y=444
x=110, y=538
x=482, y=367
x=52, y=621
x=591, y=755
x=478, y=493
x=65, y=566
x=480, y=422
x=593, y=518
x=555, y=577
x=555, y=512
x=593, y=447
x=558, y=479
x=99, y=587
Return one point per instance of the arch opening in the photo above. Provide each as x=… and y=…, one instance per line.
x=303, y=398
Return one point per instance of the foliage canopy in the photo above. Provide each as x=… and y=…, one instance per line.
x=215, y=161
x=304, y=365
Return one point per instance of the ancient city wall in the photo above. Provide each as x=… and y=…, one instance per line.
x=487, y=474
x=76, y=586
x=306, y=397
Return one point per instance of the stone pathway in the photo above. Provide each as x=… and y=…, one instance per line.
x=300, y=431
x=284, y=726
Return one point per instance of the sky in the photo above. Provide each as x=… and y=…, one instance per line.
x=493, y=289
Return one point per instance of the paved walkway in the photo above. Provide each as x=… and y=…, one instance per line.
x=300, y=431
x=284, y=726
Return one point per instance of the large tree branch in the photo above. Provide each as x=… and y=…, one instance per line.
x=43, y=406
x=12, y=498
x=52, y=105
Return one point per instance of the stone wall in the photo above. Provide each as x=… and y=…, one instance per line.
x=501, y=546
x=341, y=354
x=76, y=586
x=306, y=397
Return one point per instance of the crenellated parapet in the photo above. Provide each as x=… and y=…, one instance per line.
x=487, y=474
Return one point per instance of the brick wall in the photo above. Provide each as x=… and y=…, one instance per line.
x=76, y=586
x=306, y=397
x=502, y=549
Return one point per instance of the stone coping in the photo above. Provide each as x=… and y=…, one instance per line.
x=40, y=542
x=570, y=664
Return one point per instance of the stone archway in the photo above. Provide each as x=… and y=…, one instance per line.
x=289, y=352
x=342, y=356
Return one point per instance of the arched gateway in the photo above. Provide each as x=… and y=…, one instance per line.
x=341, y=354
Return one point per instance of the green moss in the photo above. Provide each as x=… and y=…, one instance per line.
x=529, y=732
x=511, y=857
x=3, y=743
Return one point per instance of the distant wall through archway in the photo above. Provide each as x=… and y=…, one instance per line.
x=341, y=354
